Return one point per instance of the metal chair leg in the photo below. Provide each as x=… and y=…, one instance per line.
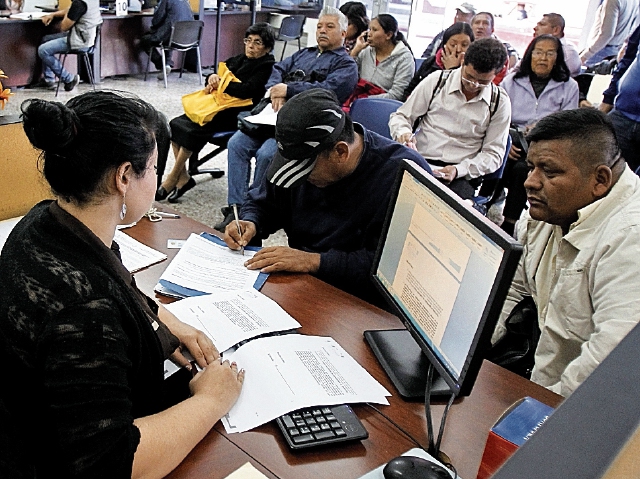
x=148, y=63
x=87, y=65
x=199, y=64
x=64, y=59
x=284, y=48
x=164, y=68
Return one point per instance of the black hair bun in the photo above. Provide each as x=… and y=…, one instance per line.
x=50, y=126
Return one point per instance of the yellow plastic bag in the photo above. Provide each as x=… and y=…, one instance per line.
x=201, y=106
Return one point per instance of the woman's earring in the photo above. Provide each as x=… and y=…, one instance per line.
x=123, y=211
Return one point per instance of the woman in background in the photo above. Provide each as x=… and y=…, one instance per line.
x=384, y=57
x=252, y=68
x=541, y=86
x=455, y=42
x=83, y=349
x=356, y=13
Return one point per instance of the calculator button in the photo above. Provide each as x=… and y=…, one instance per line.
x=288, y=422
x=300, y=422
x=330, y=417
x=325, y=427
x=306, y=414
x=310, y=421
x=340, y=433
x=335, y=425
x=305, y=430
x=294, y=432
x=296, y=415
x=324, y=435
x=321, y=419
x=314, y=428
x=302, y=439
x=316, y=412
x=326, y=410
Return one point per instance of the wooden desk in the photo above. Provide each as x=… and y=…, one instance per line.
x=324, y=310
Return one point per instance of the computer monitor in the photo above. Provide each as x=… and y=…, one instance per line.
x=445, y=269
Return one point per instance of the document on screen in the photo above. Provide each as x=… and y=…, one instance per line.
x=289, y=372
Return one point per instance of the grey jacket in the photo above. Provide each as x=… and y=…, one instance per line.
x=393, y=73
x=83, y=32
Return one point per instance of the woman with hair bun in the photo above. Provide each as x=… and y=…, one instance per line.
x=82, y=347
x=384, y=57
x=356, y=13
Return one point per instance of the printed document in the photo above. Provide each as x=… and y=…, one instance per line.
x=231, y=317
x=266, y=117
x=135, y=255
x=202, y=265
x=292, y=371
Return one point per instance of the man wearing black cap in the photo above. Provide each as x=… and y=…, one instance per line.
x=328, y=186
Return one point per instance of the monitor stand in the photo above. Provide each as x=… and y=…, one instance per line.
x=405, y=363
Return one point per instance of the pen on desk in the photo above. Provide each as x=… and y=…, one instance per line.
x=235, y=215
x=167, y=215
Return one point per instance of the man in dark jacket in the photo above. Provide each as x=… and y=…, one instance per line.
x=167, y=13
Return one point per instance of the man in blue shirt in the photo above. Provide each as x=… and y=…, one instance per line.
x=622, y=99
x=328, y=186
x=327, y=66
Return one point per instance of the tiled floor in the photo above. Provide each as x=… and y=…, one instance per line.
x=202, y=202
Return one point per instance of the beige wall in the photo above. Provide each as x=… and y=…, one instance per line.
x=21, y=184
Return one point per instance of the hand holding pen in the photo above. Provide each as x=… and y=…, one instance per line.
x=237, y=220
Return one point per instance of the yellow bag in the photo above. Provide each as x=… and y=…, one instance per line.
x=201, y=106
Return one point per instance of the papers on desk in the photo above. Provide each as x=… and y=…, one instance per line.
x=135, y=255
x=247, y=471
x=293, y=371
x=204, y=266
x=265, y=117
x=229, y=318
x=28, y=15
x=5, y=228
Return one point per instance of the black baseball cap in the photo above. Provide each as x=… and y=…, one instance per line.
x=307, y=124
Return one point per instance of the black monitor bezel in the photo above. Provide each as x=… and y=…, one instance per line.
x=508, y=265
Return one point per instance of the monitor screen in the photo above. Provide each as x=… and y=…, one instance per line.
x=446, y=270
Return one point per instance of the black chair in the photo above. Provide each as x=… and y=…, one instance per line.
x=84, y=54
x=220, y=140
x=291, y=29
x=185, y=36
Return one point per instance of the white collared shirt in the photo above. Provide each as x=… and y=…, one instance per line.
x=455, y=130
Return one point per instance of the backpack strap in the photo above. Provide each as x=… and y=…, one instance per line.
x=442, y=80
x=495, y=100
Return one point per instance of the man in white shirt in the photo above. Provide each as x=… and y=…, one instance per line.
x=581, y=259
x=553, y=24
x=464, y=119
x=614, y=22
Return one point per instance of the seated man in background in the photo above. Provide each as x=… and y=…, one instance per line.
x=327, y=65
x=581, y=258
x=483, y=25
x=464, y=118
x=166, y=14
x=328, y=186
x=78, y=25
x=553, y=24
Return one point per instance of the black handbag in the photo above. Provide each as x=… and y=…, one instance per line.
x=515, y=351
x=254, y=130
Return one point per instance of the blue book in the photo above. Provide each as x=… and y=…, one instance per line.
x=523, y=419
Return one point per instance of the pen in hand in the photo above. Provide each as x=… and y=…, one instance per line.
x=235, y=215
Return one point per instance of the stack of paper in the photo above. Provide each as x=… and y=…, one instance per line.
x=206, y=265
x=135, y=255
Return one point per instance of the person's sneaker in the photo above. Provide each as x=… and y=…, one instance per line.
x=227, y=211
x=44, y=84
x=167, y=70
x=68, y=86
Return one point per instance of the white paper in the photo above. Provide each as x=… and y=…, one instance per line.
x=205, y=266
x=231, y=317
x=292, y=371
x=135, y=255
x=265, y=117
x=5, y=228
x=28, y=15
x=247, y=471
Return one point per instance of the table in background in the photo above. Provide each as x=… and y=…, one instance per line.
x=326, y=311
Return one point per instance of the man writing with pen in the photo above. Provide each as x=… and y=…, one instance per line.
x=328, y=186
x=463, y=118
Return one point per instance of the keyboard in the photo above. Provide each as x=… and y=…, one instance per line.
x=316, y=426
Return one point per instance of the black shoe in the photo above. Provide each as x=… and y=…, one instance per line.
x=228, y=218
x=42, y=83
x=178, y=192
x=161, y=193
x=68, y=86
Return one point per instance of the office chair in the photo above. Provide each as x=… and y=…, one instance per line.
x=84, y=54
x=490, y=188
x=373, y=113
x=220, y=140
x=185, y=36
x=290, y=29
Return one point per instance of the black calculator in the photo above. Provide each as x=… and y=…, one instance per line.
x=320, y=425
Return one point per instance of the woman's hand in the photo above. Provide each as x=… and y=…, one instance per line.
x=514, y=153
x=47, y=19
x=361, y=44
x=195, y=341
x=212, y=83
x=451, y=58
x=220, y=381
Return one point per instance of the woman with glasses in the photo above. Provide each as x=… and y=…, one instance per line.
x=455, y=42
x=384, y=57
x=540, y=86
x=253, y=69
x=83, y=394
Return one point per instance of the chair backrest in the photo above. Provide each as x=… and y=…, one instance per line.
x=419, y=62
x=373, y=113
x=186, y=34
x=291, y=27
x=489, y=187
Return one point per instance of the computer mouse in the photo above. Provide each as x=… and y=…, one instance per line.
x=411, y=467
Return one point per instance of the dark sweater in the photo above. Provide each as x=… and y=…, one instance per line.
x=78, y=346
x=253, y=75
x=342, y=221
